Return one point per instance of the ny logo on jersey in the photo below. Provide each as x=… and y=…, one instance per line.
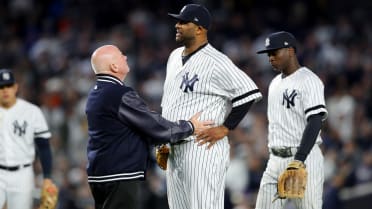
x=188, y=84
x=288, y=99
x=19, y=129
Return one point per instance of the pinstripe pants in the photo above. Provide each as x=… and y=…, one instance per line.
x=196, y=176
x=314, y=188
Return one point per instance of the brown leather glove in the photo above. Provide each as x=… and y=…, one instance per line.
x=49, y=195
x=162, y=154
x=292, y=182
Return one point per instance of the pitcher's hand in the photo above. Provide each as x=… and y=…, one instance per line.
x=211, y=135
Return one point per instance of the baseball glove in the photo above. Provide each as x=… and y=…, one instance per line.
x=49, y=195
x=292, y=182
x=162, y=154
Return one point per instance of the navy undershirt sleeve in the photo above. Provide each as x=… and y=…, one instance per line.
x=309, y=136
x=236, y=115
x=45, y=155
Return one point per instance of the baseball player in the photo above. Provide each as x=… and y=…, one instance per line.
x=296, y=110
x=22, y=126
x=201, y=78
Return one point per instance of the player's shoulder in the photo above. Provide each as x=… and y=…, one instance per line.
x=218, y=58
x=177, y=52
x=26, y=104
x=278, y=77
x=306, y=73
x=214, y=53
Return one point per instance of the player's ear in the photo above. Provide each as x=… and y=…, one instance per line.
x=201, y=30
x=292, y=51
x=16, y=86
x=114, y=68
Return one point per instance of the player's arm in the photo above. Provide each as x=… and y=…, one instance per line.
x=49, y=191
x=45, y=155
x=309, y=136
x=135, y=113
x=212, y=135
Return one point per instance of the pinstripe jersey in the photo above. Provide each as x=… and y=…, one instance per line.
x=291, y=101
x=208, y=82
x=211, y=83
x=19, y=126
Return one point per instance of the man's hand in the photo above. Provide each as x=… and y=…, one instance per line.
x=200, y=125
x=211, y=135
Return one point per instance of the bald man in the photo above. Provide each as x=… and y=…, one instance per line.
x=121, y=128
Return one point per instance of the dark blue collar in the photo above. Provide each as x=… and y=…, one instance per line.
x=109, y=78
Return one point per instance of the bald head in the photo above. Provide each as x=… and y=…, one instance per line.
x=108, y=59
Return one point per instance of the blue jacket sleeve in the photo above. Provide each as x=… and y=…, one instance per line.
x=136, y=114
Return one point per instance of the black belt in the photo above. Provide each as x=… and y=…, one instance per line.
x=284, y=151
x=14, y=168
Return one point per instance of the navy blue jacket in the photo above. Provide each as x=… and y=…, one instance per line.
x=121, y=127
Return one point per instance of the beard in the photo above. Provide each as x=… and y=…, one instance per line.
x=186, y=41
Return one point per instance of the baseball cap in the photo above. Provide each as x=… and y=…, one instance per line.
x=195, y=13
x=279, y=40
x=6, y=77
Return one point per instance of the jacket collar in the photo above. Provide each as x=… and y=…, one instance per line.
x=109, y=78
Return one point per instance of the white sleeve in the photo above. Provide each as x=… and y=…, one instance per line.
x=234, y=83
x=40, y=124
x=314, y=101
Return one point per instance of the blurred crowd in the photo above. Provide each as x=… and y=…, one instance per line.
x=48, y=44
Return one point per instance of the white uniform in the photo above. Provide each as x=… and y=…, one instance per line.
x=211, y=83
x=19, y=125
x=291, y=101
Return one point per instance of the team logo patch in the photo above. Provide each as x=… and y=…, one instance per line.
x=6, y=76
x=19, y=129
x=267, y=42
x=288, y=98
x=188, y=84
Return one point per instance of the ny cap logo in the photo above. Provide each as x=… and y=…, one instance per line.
x=267, y=42
x=6, y=76
x=196, y=19
x=285, y=43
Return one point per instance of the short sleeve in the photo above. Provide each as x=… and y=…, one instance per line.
x=314, y=101
x=235, y=83
x=40, y=124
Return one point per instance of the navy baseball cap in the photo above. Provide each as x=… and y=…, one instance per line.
x=195, y=13
x=6, y=77
x=279, y=40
